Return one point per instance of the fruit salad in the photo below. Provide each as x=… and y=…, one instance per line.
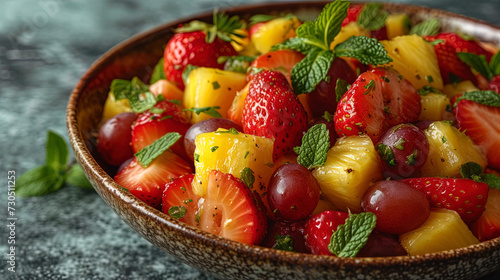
x=360, y=134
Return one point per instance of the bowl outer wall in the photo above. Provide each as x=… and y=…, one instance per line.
x=224, y=258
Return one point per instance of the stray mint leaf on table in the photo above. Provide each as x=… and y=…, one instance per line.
x=41, y=180
x=315, y=146
x=77, y=178
x=150, y=152
x=351, y=237
x=57, y=153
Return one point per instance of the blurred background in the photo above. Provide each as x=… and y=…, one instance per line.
x=45, y=47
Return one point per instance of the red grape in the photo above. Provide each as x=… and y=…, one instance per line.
x=399, y=207
x=293, y=192
x=114, y=139
x=381, y=245
x=293, y=229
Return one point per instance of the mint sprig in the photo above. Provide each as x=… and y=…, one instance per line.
x=479, y=63
x=484, y=97
x=428, y=27
x=474, y=171
x=314, y=40
x=315, y=145
x=372, y=17
x=350, y=237
x=150, y=152
x=141, y=99
x=52, y=175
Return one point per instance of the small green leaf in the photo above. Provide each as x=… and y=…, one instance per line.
x=366, y=50
x=142, y=102
x=429, y=27
x=187, y=71
x=284, y=242
x=56, y=153
x=315, y=146
x=211, y=111
x=177, y=212
x=495, y=64
x=158, y=73
x=260, y=18
x=478, y=63
x=386, y=154
x=246, y=175
x=341, y=87
x=372, y=16
x=350, y=237
x=485, y=97
x=327, y=116
x=120, y=88
x=311, y=70
x=428, y=89
x=41, y=180
x=149, y=153
x=470, y=169
x=295, y=43
x=76, y=177
x=411, y=159
x=492, y=180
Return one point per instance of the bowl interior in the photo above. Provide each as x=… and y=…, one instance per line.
x=137, y=57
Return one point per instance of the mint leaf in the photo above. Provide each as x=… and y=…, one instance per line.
x=386, y=154
x=246, y=175
x=350, y=237
x=142, y=102
x=485, y=97
x=429, y=27
x=56, y=153
x=76, y=177
x=149, y=153
x=260, y=18
x=372, y=17
x=470, y=170
x=341, y=87
x=296, y=44
x=141, y=99
x=187, y=71
x=284, y=242
x=366, y=50
x=211, y=111
x=495, y=64
x=326, y=26
x=428, y=89
x=311, y=70
x=120, y=88
x=478, y=63
x=315, y=146
x=158, y=73
x=177, y=212
x=492, y=180
x=41, y=180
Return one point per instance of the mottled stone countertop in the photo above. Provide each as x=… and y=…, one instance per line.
x=45, y=47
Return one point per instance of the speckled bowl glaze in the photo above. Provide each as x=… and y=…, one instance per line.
x=227, y=259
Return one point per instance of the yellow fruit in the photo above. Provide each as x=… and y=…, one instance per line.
x=397, y=25
x=113, y=107
x=232, y=152
x=351, y=166
x=346, y=32
x=443, y=230
x=452, y=90
x=235, y=112
x=274, y=32
x=209, y=87
x=448, y=150
x=434, y=107
x=415, y=59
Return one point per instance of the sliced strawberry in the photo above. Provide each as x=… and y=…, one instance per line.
x=148, y=183
x=361, y=109
x=319, y=229
x=272, y=110
x=494, y=84
x=282, y=61
x=352, y=14
x=482, y=124
x=401, y=99
x=464, y=196
x=229, y=210
x=488, y=225
x=464, y=45
x=179, y=196
x=153, y=124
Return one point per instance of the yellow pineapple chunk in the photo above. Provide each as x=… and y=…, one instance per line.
x=415, y=59
x=351, y=166
x=434, y=107
x=346, y=32
x=443, y=230
x=274, y=32
x=113, y=107
x=448, y=150
x=231, y=152
x=209, y=87
x=452, y=90
x=397, y=25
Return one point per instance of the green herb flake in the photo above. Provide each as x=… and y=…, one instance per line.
x=246, y=155
x=158, y=73
x=197, y=157
x=369, y=87
x=444, y=140
x=400, y=144
x=215, y=85
x=411, y=159
x=149, y=153
x=284, y=242
x=328, y=117
x=315, y=146
x=211, y=111
x=246, y=175
x=386, y=154
x=352, y=236
x=177, y=212
x=341, y=87
x=187, y=201
x=214, y=148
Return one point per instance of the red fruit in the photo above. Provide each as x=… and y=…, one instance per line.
x=319, y=229
x=148, y=183
x=381, y=245
x=114, y=138
x=488, y=225
x=193, y=48
x=494, y=84
x=150, y=126
x=282, y=61
x=229, y=210
x=482, y=124
x=179, y=193
x=464, y=196
x=464, y=45
x=272, y=110
x=293, y=229
x=352, y=14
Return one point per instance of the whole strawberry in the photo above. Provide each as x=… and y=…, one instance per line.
x=199, y=44
x=319, y=229
x=465, y=196
x=272, y=110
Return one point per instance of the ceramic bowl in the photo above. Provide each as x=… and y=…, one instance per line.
x=224, y=258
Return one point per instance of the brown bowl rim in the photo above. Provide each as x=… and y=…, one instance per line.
x=93, y=169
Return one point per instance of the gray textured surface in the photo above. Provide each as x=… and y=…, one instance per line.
x=45, y=47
